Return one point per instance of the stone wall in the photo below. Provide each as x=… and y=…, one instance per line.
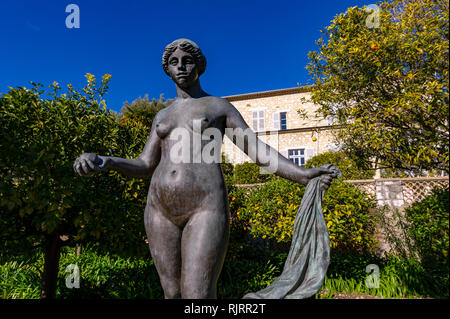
x=312, y=134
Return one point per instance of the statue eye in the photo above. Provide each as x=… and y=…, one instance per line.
x=173, y=61
x=189, y=61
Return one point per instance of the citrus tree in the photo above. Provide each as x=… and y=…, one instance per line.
x=43, y=203
x=383, y=75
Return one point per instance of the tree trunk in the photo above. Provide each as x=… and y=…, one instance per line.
x=78, y=250
x=51, y=267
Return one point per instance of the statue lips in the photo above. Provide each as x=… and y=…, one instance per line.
x=182, y=76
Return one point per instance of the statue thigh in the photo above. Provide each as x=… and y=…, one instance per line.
x=164, y=239
x=203, y=247
x=188, y=260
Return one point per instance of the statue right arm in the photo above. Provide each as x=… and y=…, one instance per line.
x=141, y=167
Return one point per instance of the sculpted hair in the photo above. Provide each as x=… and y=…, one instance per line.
x=187, y=46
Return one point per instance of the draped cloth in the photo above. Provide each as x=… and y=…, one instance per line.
x=309, y=254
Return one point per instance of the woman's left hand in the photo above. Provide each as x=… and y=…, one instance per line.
x=326, y=175
x=326, y=180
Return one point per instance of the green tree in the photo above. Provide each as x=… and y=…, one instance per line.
x=43, y=203
x=349, y=167
x=385, y=81
x=143, y=110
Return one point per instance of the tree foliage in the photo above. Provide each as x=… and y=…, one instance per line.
x=349, y=167
x=387, y=83
x=142, y=110
x=43, y=203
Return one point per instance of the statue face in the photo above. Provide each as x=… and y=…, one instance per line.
x=182, y=68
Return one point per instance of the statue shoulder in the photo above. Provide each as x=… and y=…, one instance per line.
x=223, y=104
x=162, y=112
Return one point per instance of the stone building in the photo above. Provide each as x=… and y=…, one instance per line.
x=273, y=116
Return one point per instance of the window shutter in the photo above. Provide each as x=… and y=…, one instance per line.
x=276, y=121
x=309, y=152
x=255, y=120
x=261, y=120
x=261, y=124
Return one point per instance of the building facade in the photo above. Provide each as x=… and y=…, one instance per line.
x=274, y=117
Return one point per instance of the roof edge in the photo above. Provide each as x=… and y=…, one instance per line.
x=256, y=95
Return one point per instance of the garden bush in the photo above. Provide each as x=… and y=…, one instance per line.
x=349, y=168
x=249, y=173
x=269, y=212
x=429, y=228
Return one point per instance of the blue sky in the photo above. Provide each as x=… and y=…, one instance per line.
x=250, y=45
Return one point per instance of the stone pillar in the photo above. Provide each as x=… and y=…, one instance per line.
x=390, y=193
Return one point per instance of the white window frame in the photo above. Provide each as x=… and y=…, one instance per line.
x=299, y=156
x=258, y=127
x=308, y=152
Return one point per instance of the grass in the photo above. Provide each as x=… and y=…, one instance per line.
x=246, y=269
x=101, y=276
x=398, y=278
x=18, y=281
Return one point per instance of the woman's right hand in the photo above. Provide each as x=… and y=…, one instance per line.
x=89, y=163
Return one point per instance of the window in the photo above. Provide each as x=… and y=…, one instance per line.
x=279, y=121
x=283, y=123
x=258, y=120
x=297, y=156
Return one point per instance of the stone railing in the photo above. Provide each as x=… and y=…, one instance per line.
x=400, y=192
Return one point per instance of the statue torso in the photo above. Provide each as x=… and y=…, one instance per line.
x=183, y=180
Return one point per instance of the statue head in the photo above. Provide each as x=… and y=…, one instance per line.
x=188, y=46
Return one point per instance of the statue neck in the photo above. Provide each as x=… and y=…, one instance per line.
x=194, y=91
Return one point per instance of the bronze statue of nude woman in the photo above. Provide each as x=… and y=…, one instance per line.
x=186, y=215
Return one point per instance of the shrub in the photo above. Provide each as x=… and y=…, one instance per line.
x=249, y=173
x=350, y=223
x=227, y=170
x=429, y=228
x=269, y=212
x=350, y=169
